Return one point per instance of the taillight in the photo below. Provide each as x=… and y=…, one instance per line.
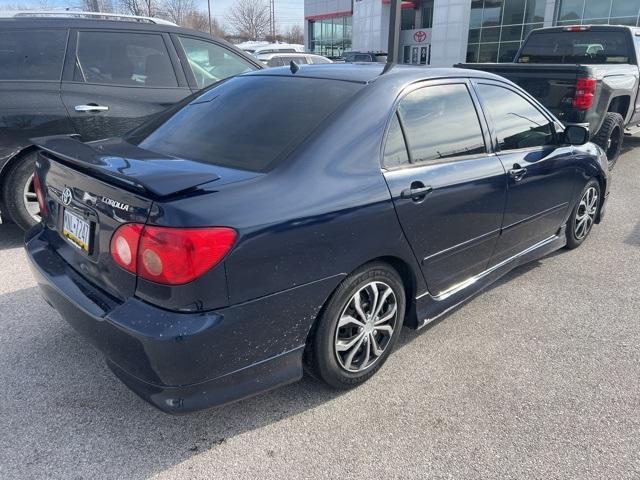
x=167, y=255
x=37, y=186
x=585, y=92
x=124, y=246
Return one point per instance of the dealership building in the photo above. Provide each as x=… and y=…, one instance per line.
x=444, y=32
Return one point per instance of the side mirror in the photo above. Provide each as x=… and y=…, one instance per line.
x=576, y=135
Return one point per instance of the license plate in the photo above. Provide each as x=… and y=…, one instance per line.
x=77, y=230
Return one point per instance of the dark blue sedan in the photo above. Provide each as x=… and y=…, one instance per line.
x=298, y=218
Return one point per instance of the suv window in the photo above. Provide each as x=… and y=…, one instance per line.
x=395, y=150
x=518, y=124
x=247, y=122
x=32, y=54
x=211, y=63
x=131, y=59
x=440, y=122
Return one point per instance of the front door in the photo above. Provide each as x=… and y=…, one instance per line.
x=542, y=175
x=119, y=80
x=449, y=193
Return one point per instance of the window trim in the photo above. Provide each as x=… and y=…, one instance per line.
x=484, y=130
x=184, y=61
x=72, y=53
x=64, y=55
x=475, y=82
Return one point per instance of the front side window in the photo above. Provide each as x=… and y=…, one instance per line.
x=441, y=122
x=211, y=63
x=128, y=59
x=32, y=54
x=517, y=123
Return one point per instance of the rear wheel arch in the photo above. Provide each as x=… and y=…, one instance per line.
x=620, y=105
x=13, y=161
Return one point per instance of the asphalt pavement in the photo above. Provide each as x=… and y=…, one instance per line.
x=537, y=377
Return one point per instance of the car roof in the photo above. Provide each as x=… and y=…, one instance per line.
x=70, y=22
x=373, y=72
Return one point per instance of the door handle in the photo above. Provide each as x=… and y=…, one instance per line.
x=517, y=172
x=416, y=192
x=91, y=108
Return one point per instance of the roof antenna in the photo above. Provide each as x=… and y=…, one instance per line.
x=294, y=67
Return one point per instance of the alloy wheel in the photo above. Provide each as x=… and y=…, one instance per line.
x=586, y=213
x=31, y=200
x=366, y=326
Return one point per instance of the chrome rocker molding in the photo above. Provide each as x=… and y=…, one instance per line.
x=431, y=307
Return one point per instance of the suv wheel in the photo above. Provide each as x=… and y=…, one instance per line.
x=19, y=194
x=358, y=327
x=610, y=137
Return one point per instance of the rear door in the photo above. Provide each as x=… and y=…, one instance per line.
x=116, y=79
x=542, y=174
x=448, y=190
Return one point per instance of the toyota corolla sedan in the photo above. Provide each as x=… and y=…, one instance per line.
x=298, y=218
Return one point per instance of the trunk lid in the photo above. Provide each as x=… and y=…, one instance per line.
x=92, y=189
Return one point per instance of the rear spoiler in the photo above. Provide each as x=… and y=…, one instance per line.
x=131, y=167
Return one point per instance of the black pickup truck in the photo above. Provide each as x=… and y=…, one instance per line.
x=586, y=75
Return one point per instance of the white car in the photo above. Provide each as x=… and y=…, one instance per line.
x=284, y=59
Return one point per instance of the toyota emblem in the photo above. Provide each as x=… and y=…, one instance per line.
x=420, y=36
x=67, y=195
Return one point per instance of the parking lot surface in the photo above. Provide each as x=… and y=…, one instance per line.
x=537, y=377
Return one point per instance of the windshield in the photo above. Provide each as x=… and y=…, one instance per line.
x=590, y=47
x=249, y=123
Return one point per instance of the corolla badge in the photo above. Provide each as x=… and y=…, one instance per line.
x=113, y=203
x=67, y=195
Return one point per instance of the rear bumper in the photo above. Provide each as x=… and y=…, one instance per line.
x=182, y=362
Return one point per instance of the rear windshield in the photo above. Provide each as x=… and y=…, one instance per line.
x=249, y=123
x=590, y=47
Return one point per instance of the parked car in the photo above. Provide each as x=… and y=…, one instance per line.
x=364, y=57
x=215, y=250
x=95, y=78
x=283, y=59
x=277, y=48
x=585, y=75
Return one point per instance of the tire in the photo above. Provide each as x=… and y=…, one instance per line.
x=584, y=214
x=18, y=194
x=327, y=356
x=610, y=137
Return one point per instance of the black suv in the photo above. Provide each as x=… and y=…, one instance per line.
x=95, y=78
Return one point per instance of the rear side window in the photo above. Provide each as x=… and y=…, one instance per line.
x=211, y=63
x=589, y=47
x=32, y=54
x=517, y=123
x=395, y=149
x=129, y=59
x=441, y=122
x=247, y=122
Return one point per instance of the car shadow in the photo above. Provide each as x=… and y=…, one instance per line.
x=11, y=236
x=66, y=413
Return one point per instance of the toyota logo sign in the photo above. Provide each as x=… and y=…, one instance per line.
x=67, y=195
x=420, y=36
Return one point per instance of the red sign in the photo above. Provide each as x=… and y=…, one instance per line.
x=420, y=36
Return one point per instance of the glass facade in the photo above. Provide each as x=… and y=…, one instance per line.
x=497, y=27
x=330, y=36
x=419, y=17
x=613, y=12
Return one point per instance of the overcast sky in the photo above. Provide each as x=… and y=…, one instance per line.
x=288, y=12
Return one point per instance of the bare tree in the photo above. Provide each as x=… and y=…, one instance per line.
x=138, y=7
x=178, y=10
x=295, y=34
x=96, y=6
x=198, y=20
x=250, y=18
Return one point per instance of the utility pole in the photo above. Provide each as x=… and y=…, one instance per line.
x=209, y=5
x=272, y=19
x=394, y=31
x=148, y=8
